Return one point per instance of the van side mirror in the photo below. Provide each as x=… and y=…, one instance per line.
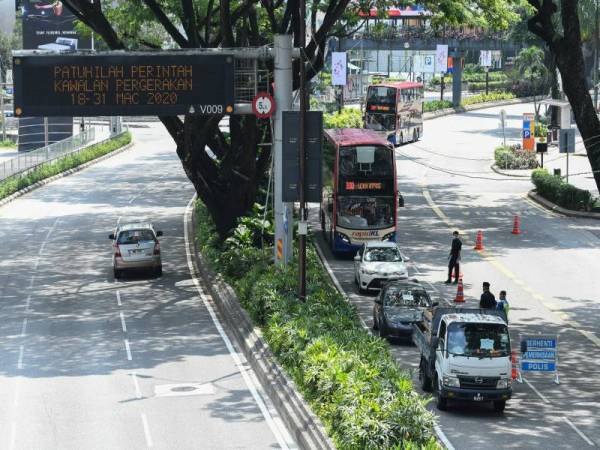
x=400, y=201
x=159, y=233
x=357, y=258
x=111, y=237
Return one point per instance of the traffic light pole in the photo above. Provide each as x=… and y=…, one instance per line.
x=284, y=220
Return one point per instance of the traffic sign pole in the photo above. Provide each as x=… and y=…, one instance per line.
x=301, y=141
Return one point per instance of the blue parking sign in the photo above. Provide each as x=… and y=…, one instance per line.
x=526, y=133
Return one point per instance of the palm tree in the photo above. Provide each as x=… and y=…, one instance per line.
x=530, y=65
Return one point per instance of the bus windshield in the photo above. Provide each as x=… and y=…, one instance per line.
x=478, y=340
x=365, y=213
x=381, y=95
x=366, y=161
x=381, y=122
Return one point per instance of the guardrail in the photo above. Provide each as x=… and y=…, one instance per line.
x=54, y=151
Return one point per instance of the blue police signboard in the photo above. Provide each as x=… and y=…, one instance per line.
x=539, y=354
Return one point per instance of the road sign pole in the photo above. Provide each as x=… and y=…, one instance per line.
x=283, y=100
x=567, y=166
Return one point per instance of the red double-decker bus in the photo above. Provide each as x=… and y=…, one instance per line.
x=396, y=111
x=360, y=195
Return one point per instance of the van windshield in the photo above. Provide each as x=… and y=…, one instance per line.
x=483, y=340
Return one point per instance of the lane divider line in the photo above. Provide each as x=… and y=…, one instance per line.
x=123, y=325
x=138, y=392
x=24, y=327
x=118, y=298
x=27, y=303
x=579, y=432
x=20, y=361
x=533, y=388
x=147, y=434
x=128, y=350
x=278, y=429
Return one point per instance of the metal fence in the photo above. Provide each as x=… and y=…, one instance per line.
x=54, y=151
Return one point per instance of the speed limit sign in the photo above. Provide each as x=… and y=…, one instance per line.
x=263, y=105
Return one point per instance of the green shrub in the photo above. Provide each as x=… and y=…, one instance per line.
x=492, y=85
x=491, y=97
x=556, y=190
x=514, y=157
x=8, y=143
x=436, y=105
x=347, y=118
x=17, y=182
x=347, y=375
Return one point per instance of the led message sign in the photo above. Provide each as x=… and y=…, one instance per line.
x=123, y=84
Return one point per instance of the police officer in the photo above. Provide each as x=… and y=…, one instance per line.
x=487, y=300
x=454, y=258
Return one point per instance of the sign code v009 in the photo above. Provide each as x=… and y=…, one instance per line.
x=123, y=84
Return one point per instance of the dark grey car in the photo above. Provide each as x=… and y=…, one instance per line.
x=398, y=306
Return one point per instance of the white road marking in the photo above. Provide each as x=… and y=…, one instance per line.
x=47, y=237
x=13, y=435
x=279, y=431
x=118, y=220
x=16, y=399
x=149, y=442
x=118, y=298
x=443, y=437
x=37, y=263
x=20, y=361
x=579, y=432
x=24, y=327
x=27, y=303
x=123, y=325
x=540, y=395
x=128, y=350
x=31, y=281
x=138, y=392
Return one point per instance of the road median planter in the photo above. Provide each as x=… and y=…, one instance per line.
x=347, y=376
x=18, y=185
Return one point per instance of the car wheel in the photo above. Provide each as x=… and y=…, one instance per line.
x=499, y=405
x=158, y=271
x=423, y=378
x=441, y=401
x=116, y=273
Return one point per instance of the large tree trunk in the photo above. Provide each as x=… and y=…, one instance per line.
x=568, y=54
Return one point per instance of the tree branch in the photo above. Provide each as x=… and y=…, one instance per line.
x=166, y=23
x=189, y=22
x=226, y=24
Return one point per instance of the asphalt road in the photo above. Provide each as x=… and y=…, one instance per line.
x=87, y=362
x=550, y=273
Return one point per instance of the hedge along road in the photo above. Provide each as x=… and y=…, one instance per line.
x=90, y=362
x=550, y=273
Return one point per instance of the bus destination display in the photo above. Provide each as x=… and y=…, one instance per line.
x=113, y=85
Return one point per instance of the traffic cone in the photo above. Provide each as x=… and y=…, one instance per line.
x=517, y=225
x=479, y=241
x=515, y=371
x=460, y=293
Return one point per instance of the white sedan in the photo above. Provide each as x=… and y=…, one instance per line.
x=377, y=263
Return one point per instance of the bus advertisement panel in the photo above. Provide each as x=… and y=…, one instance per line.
x=359, y=189
x=395, y=110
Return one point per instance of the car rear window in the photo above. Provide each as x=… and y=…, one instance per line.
x=135, y=236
